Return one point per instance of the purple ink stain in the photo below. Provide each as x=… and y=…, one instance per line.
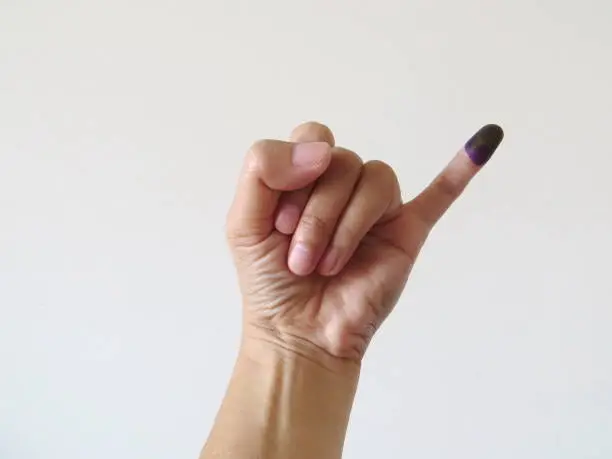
x=483, y=144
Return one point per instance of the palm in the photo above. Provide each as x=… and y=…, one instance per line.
x=339, y=313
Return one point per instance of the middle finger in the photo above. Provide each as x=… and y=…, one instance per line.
x=322, y=212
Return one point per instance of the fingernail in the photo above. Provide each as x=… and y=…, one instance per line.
x=328, y=266
x=483, y=144
x=300, y=260
x=310, y=154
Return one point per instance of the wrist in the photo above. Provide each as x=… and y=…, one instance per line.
x=268, y=346
x=286, y=398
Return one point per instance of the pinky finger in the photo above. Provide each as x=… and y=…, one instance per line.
x=434, y=201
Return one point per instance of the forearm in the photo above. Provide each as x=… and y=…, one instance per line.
x=284, y=403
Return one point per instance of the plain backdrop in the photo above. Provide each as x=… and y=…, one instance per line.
x=123, y=124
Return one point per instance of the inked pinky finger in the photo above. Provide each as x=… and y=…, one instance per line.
x=433, y=202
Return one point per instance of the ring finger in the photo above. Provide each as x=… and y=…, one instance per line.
x=376, y=196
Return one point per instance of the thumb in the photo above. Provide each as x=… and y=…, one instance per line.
x=271, y=167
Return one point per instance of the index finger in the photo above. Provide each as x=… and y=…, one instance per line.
x=271, y=167
x=292, y=203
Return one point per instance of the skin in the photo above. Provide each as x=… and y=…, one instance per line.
x=323, y=246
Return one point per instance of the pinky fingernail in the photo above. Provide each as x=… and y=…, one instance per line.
x=483, y=144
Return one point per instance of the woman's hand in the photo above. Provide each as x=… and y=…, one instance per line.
x=323, y=245
x=323, y=242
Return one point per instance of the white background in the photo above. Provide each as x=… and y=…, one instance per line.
x=122, y=127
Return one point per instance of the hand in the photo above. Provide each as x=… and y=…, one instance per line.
x=323, y=243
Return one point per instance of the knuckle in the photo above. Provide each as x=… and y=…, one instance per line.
x=381, y=169
x=447, y=186
x=260, y=146
x=314, y=227
x=257, y=154
x=295, y=199
x=347, y=237
x=246, y=234
x=234, y=231
x=242, y=231
x=313, y=130
x=348, y=158
x=381, y=175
